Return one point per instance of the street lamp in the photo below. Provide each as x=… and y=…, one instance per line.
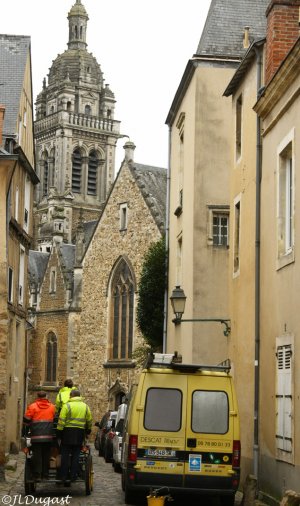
x=178, y=299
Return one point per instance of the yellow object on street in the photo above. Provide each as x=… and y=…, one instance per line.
x=155, y=501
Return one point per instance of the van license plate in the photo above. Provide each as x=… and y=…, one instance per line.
x=158, y=452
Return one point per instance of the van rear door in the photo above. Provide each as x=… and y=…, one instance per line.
x=162, y=428
x=209, y=431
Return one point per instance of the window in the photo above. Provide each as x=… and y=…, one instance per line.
x=122, y=305
x=69, y=106
x=10, y=285
x=21, y=275
x=92, y=173
x=45, y=174
x=51, y=358
x=210, y=412
x=18, y=348
x=218, y=225
x=179, y=262
x=123, y=216
x=163, y=409
x=284, y=399
x=237, y=225
x=52, y=284
x=285, y=205
x=238, y=127
x=27, y=204
x=20, y=131
x=220, y=229
x=17, y=204
x=76, y=171
x=180, y=126
x=87, y=110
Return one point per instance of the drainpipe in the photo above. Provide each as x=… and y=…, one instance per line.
x=167, y=245
x=257, y=272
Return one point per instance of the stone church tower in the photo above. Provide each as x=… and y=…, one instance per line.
x=76, y=136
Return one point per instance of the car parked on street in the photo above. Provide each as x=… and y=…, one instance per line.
x=118, y=436
x=104, y=426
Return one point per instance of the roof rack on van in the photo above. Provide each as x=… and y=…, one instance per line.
x=174, y=361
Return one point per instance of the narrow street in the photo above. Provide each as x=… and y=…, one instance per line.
x=107, y=491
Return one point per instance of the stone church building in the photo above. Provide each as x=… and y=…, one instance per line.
x=76, y=136
x=91, y=232
x=133, y=218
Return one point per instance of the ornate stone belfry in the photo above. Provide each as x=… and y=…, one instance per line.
x=76, y=136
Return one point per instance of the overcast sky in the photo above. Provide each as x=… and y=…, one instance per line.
x=142, y=46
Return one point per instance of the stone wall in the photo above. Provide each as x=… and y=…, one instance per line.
x=106, y=247
x=53, y=316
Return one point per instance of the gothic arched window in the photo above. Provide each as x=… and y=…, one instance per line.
x=76, y=171
x=122, y=306
x=51, y=358
x=92, y=173
x=45, y=173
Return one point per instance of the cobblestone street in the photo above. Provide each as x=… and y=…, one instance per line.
x=107, y=490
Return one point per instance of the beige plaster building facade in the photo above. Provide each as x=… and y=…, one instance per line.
x=17, y=180
x=200, y=163
x=279, y=407
x=262, y=267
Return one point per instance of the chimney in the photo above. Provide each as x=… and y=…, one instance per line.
x=282, y=33
x=2, y=113
x=129, y=150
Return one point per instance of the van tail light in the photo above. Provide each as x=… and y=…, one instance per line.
x=132, y=448
x=236, y=454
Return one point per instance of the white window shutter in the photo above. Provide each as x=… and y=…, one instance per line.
x=284, y=398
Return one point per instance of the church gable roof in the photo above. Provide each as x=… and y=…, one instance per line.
x=225, y=24
x=152, y=181
x=37, y=266
x=14, y=50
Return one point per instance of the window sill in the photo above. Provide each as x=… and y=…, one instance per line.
x=119, y=364
x=284, y=260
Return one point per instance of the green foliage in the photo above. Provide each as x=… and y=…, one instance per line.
x=150, y=309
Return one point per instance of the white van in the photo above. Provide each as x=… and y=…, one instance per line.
x=182, y=431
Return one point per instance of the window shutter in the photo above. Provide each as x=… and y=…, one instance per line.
x=284, y=398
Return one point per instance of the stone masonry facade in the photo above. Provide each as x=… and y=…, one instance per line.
x=99, y=381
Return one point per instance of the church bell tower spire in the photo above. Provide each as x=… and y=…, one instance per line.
x=78, y=19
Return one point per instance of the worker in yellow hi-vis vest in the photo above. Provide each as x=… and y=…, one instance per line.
x=64, y=394
x=74, y=424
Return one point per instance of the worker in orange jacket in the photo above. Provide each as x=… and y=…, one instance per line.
x=38, y=425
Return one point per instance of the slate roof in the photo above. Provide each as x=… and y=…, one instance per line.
x=13, y=56
x=89, y=227
x=67, y=256
x=152, y=182
x=67, y=252
x=37, y=266
x=223, y=31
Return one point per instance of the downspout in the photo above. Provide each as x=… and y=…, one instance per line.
x=167, y=245
x=257, y=271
